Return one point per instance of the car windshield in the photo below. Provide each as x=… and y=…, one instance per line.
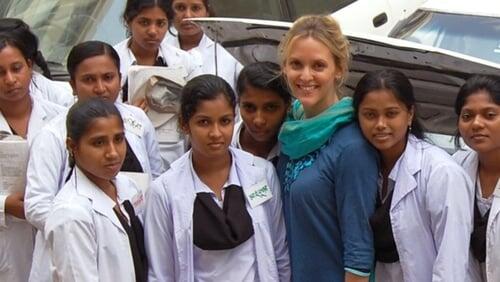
x=476, y=36
x=61, y=24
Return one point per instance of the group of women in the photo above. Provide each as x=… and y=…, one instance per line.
x=321, y=187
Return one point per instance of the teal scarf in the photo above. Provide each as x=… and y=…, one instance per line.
x=300, y=136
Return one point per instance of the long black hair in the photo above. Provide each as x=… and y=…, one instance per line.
x=135, y=7
x=20, y=31
x=394, y=81
x=264, y=76
x=203, y=88
x=89, y=49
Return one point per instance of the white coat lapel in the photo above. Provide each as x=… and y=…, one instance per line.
x=409, y=165
x=4, y=126
x=495, y=207
x=205, y=42
x=248, y=173
x=173, y=58
x=38, y=119
x=101, y=203
x=470, y=164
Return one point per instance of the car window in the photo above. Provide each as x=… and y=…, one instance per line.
x=301, y=7
x=477, y=36
x=255, y=9
x=60, y=24
x=281, y=10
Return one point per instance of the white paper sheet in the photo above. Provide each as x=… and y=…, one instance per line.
x=14, y=154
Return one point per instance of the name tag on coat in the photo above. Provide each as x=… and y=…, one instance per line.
x=133, y=126
x=258, y=193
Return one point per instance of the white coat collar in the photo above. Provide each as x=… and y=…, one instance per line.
x=247, y=167
x=198, y=184
x=409, y=164
x=235, y=142
x=206, y=42
x=469, y=160
x=172, y=38
x=38, y=118
x=133, y=60
x=101, y=203
x=4, y=125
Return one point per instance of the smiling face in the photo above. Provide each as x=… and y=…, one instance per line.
x=148, y=29
x=263, y=112
x=311, y=72
x=15, y=74
x=185, y=9
x=211, y=128
x=479, y=123
x=384, y=121
x=100, y=152
x=97, y=76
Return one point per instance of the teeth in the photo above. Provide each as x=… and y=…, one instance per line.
x=307, y=88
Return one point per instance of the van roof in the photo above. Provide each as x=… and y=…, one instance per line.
x=487, y=8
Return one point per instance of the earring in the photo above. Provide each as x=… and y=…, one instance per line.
x=71, y=156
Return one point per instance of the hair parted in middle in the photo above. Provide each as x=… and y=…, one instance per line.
x=324, y=29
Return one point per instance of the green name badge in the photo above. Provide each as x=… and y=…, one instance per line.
x=258, y=193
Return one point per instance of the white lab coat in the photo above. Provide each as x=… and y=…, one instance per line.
x=85, y=239
x=48, y=168
x=172, y=56
x=469, y=160
x=16, y=235
x=57, y=92
x=431, y=216
x=227, y=66
x=168, y=221
x=172, y=142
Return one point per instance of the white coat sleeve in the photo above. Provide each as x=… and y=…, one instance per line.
x=278, y=230
x=153, y=149
x=158, y=235
x=449, y=199
x=45, y=171
x=71, y=239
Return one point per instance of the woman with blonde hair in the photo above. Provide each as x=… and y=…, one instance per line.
x=328, y=171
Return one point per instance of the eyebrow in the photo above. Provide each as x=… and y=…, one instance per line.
x=494, y=107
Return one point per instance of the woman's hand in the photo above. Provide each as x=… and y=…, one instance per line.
x=350, y=277
x=14, y=205
x=141, y=103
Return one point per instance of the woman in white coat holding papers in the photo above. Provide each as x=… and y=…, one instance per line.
x=478, y=109
x=215, y=215
x=423, y=218
x=22, y=115
x=147, y=23
x=94, y=72
x=93, y=230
